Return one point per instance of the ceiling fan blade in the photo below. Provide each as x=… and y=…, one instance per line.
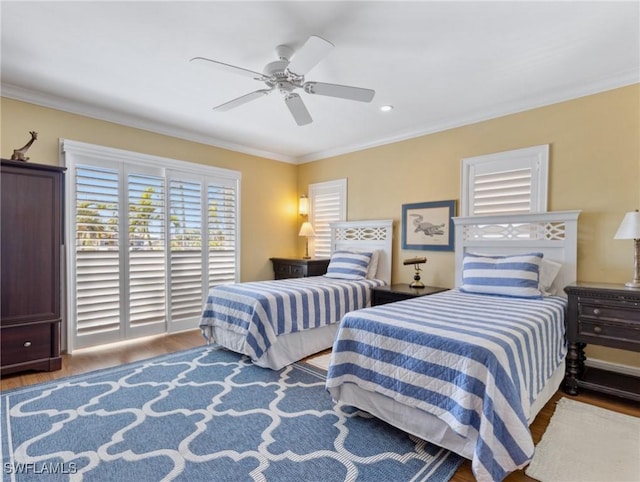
x=313, y=51
x=241, y=100
x=342, y=91
x=298, y=109
x=231, y=68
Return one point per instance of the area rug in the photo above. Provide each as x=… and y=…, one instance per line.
x=584, y=443
x=204, y=414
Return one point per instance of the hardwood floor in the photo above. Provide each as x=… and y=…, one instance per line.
x=87, y=360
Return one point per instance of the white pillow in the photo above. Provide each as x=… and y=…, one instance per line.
x=348, y=265
x=515, y=276
x=549, y=269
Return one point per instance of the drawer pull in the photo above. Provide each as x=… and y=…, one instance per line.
x=597, y=329
x=27, y=344
x=596, y=311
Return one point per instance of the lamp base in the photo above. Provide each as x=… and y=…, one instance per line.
x=633, y=284
x=416, y=283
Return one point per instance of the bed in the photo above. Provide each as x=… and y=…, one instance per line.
x=279, y=322
x=469, y=369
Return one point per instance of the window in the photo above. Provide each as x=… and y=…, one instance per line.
x=509, y=182
x=150, y=236
x=327, y=204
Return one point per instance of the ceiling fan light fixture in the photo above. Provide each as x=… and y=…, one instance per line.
x=284, y=52
x=287, y=74
x=386, y=108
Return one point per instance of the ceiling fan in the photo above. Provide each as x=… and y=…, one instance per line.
x=287, y=75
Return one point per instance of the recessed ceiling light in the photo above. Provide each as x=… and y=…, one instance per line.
x=386, y=108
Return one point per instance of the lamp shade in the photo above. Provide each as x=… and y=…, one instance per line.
x=629, y=227
x=303, y=205
x=306, y=230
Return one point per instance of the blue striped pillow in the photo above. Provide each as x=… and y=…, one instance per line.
x=516, y=276
x=348, y=265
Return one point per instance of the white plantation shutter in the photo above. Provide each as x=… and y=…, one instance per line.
x=221, y=225
x=141, y=224
x=509, y=182
x=97, y=252
x=147, y=233
x=501, y=192
x=327, y=204
x=185, y=208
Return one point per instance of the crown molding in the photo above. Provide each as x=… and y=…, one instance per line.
x=623, y=79
x=81, y=108
x=611, y=82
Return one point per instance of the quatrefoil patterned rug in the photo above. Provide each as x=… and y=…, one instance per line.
x=204, y=414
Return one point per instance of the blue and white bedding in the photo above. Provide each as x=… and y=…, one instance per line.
x=475, y=362
x=261, y=311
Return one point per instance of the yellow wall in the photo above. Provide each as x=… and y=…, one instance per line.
x=594, y=166
x=268, y=188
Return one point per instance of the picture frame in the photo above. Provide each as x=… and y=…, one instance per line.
x=428, y=225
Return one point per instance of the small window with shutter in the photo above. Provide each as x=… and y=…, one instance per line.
x=510, y=182
x=327, y=204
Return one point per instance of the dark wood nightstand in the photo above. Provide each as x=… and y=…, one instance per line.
x=607, y=315
x=390, y=293
x=299, y=268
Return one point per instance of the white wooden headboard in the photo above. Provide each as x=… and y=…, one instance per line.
x=555, y=234
x=376, y=234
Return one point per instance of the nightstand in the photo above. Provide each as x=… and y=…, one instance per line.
x=390, y=293
x=606, y=315
x=299, y=268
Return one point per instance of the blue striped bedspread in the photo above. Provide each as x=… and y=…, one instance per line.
x=263, y=310
x=477, y=362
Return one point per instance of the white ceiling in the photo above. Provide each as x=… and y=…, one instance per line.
x=440, y=64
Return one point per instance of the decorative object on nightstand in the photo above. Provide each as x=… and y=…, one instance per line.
x=630, y=229
x=307, y=231
x=603, y=314
x=381, y=295
x=299, y=268
x=416, y=262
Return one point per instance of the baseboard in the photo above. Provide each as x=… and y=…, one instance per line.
x=613, y=367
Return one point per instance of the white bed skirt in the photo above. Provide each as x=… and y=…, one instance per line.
x=424, y=425
x=288, y=348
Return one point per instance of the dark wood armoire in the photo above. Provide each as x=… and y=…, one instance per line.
x=32, y=238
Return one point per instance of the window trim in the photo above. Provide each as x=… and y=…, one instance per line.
x=536, y=158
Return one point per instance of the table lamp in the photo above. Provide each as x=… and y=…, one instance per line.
x=416, y=283
x=306, y=230
x=630, y=229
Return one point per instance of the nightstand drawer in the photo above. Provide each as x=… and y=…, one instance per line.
x=287, y=271
x=611, y=311
x=298, y=268
x=297, y=271
x=606, y=333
